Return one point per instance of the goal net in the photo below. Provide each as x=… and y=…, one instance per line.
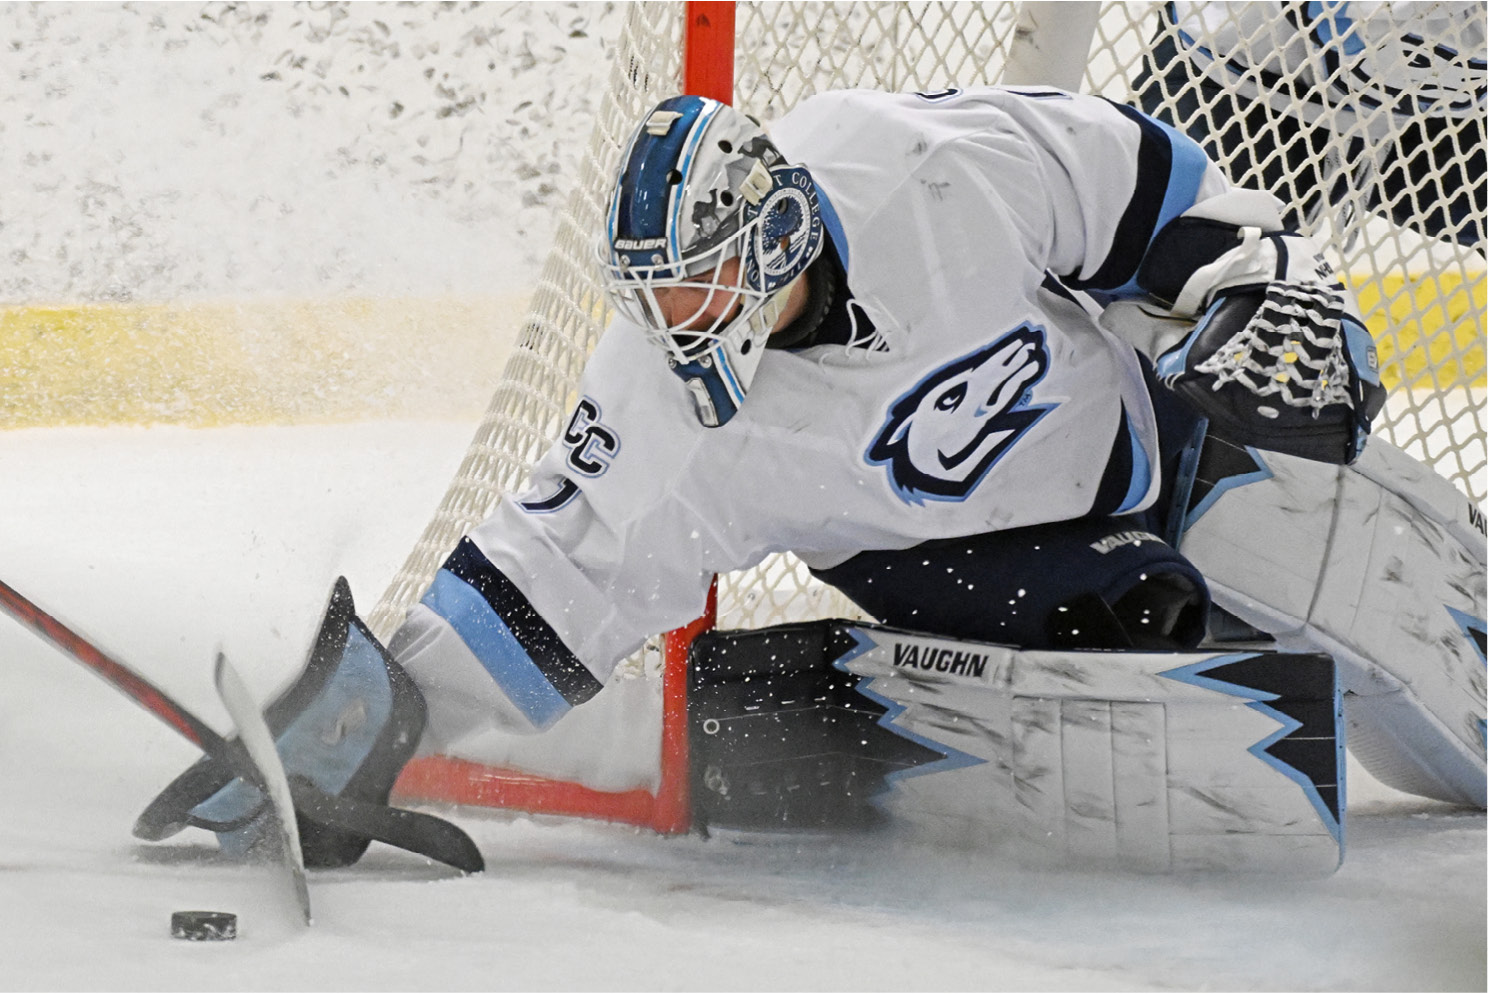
x=1365, y=118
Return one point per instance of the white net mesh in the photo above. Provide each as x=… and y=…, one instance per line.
x=1377, y=139
x=568, y=314
x=1365, y=128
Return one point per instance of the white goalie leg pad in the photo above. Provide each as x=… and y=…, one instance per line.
x=1148, y=761
x=1381, y=565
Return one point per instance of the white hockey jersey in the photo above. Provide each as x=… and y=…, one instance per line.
x=989, y=398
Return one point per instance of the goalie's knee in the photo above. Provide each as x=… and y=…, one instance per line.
x=1093, y=583
x=1381, y=565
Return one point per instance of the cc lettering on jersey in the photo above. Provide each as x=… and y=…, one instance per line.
x=591, y=445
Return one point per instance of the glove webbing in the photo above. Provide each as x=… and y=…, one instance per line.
x=1286, y=351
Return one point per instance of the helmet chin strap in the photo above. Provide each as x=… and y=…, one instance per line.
x=821, y=288
x=718, y=381
x=775, y=306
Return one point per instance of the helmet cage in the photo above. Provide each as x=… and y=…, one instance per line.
x=689, y=334
x=727, y=196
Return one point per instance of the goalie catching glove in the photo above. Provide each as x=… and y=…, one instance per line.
x=1280, y=358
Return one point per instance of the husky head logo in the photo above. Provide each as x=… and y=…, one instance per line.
x=942, y=437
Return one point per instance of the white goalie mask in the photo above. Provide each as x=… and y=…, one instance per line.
x=700, y=185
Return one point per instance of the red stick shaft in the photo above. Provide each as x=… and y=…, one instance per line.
x=141, y=691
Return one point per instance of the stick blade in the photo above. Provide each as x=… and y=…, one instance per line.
x=258, y=744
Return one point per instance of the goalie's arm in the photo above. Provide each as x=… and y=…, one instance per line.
x=1125, y=208
x=529, y=615
x=476, y=637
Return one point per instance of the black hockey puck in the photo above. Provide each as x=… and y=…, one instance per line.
x=204, y=926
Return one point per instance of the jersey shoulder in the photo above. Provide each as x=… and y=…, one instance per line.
x=882, y=159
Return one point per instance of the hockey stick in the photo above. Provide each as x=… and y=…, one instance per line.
x=419, y=833
x=258, y=744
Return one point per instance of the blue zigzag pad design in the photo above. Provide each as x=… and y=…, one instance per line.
x=1259, y=698
x=953, y=759
x=1476, y=633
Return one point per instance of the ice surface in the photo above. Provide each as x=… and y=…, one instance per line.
x=165, y=543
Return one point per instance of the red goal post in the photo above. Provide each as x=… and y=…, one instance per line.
x=707, y=70
x=1422, y=292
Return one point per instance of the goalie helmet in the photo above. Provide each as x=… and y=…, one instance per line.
x=700, y=185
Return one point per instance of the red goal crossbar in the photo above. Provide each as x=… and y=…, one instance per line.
x=708, y=70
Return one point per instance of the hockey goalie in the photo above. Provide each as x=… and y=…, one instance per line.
x=1084, y=429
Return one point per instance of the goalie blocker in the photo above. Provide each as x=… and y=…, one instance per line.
x=1155, y=761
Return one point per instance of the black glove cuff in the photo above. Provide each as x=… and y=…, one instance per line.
x=1184, y=245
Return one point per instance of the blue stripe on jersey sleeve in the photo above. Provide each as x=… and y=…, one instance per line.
x=568, y=675
x=498, y=650
x=1170, y=167
x=1188, y=164
x=832, y=223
